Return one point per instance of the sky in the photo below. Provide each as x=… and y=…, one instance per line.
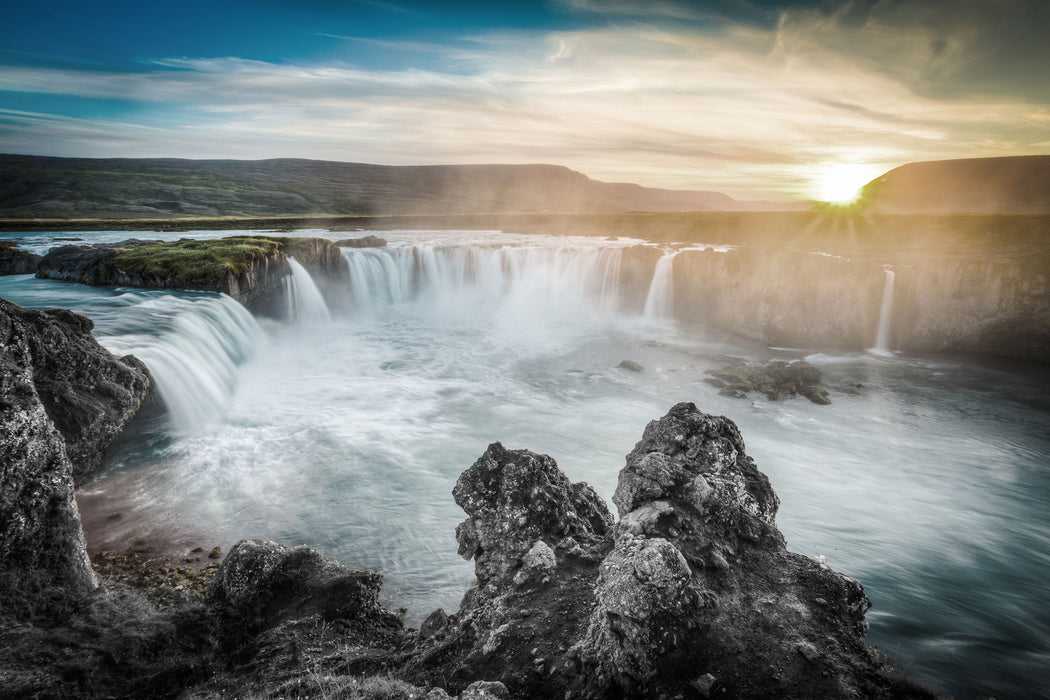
x=761, y=99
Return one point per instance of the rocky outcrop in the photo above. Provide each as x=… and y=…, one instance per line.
x=362, y=242
x=249, y=269
x=62, y=399
x=776, y=379
x=17, y=262
x=691, y=593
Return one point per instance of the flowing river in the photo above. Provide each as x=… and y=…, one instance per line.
x=346, y=426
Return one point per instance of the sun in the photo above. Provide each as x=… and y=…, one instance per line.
x=840, y=184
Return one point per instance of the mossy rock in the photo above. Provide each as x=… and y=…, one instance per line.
x=196, y=261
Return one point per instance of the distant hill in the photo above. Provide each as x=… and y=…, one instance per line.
x=43, y=187
x=1016, y=185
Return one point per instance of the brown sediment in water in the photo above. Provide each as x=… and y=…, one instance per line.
x=130, y=548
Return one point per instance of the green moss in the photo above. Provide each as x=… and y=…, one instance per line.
x=196, y=262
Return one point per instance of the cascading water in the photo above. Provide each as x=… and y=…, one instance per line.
x=659, y=303
x=194, y=359
x=882, y=337
x=305, y=302
x=524, y=281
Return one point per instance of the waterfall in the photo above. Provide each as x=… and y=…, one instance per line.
x=305, y=302
x=194, y=358
x=494, y=279
x=659, y=303
x=882, y=337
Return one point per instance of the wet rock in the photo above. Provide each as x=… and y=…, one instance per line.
x=362, y=242
x=17, y=262
x=630, y=366
x=775, y=380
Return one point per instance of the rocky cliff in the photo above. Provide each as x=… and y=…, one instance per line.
x=248, y=268
x=692, y=593
x=987, y=301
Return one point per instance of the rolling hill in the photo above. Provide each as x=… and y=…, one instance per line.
x=45, y=187
x=1013, y=185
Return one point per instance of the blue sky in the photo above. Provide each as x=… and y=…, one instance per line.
x=756, y=98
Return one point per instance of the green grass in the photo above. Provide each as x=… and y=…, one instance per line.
x=197, y=262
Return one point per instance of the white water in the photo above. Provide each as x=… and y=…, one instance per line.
x=926, y=479
x=659, y=303
x=305, y=302
x=882, y=337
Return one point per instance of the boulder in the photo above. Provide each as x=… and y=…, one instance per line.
x=261, y=585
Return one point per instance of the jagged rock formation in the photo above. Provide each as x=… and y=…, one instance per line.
x=62, y=399
x=17, y=262
x=249, y=269
x=692, y=593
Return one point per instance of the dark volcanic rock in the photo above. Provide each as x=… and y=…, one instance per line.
x=17, y=262
x=519, y=502
x=62, y=399
x=693, y=591
x=700, y=582
x=362, y=242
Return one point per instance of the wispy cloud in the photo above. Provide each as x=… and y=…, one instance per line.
x=747, y=109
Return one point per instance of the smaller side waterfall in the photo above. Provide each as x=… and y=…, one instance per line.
x=882, y=337
x=659, y=303
x=194, y=359
x=305, y=302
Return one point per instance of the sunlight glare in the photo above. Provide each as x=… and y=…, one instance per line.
x=840, y=184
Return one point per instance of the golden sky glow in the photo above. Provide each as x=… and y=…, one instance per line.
x=667, y=94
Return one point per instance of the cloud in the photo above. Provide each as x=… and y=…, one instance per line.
x=748, y=109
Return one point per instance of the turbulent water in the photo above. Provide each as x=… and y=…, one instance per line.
x=346, y=425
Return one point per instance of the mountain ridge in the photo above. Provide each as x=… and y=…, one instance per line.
x=52, y=187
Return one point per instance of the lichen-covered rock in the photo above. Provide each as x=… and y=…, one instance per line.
x=692, y=593
x=737, y=609
x=515, y=498
x=62, y=399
